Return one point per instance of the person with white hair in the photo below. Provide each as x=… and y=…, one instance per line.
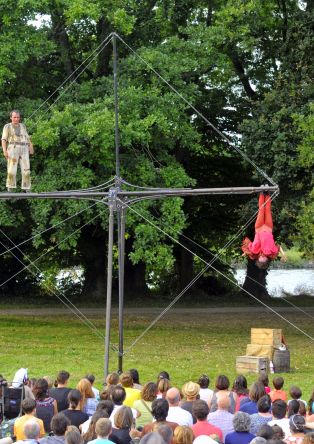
x=241, y=434
x=31, y=432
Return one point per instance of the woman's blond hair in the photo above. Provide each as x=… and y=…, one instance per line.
x=183, y=435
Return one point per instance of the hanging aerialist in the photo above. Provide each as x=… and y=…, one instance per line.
x=263, y=249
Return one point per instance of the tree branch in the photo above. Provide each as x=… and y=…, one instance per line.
x=239, y=69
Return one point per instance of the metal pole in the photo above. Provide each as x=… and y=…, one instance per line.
x=140, y=193
x=116, y=102
x=109, y=290
x=121, y=246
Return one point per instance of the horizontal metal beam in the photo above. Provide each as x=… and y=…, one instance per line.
x=138, y=193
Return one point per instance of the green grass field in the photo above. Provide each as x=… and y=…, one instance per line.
x=186, y=344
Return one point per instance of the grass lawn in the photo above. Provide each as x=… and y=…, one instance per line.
x=185, y=344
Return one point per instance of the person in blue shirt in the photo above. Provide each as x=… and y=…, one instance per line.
x=103, y=429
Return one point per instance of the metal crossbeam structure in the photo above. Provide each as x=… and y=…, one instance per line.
x=118, y=193
x=117, y=199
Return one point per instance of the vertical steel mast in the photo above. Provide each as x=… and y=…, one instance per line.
x=114, y=207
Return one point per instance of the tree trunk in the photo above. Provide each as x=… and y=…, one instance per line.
x=209, y=16
x=184, y=267
x=62, y=39
x=94, y=253
x=103, y=65
x=255, y=281
x=134, y=275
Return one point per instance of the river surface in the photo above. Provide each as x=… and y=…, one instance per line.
x=293, y=281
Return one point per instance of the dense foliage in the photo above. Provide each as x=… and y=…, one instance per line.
x=245, y=65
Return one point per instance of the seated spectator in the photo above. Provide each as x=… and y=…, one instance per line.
x=257, y=390
x=222, y=388
x=59, y=425
x=163, y=375
x=88, y=403
x=90, y=433
x=29, y=410
x=279, y=409
x=91, y=379
x=263, y=415
x=296, y=393
x=74, y=413
x=136, y=379
x=106, y=392
x=73, y=437
x=200, y=411
x=265, y=431
x=61, y=391
x=297, y=427
x=103, y=430
x=278, y=432
x=144, y=405
x=311, y=408
x=275, y=441
x=204, y=439
x=222, y=418
x=31, y=432
x=46, y=406
x=241, y=434
x=49, y=382
x=166, y=432
x=241, y=391
x=190, y=391
x=263, y=378
x=183, y=435
x=123, y=422
x=302, y=409
x=112, y=379
x=278, y=393
x=205, y=393
x=152, y=438
x=176, y=413
x=118, y=396
x=103, y=406
x=163, y=386
x=160, y=408
x=258, y=440
x=309, y=438
x=294, y=407
x=132, y=394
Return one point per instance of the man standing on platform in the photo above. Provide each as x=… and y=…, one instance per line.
x=17, y=146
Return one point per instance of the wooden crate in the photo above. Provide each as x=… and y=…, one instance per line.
x=266, y=336
x=262, y=350
x=251, y=364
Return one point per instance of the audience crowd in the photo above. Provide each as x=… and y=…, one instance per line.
x=127, y=412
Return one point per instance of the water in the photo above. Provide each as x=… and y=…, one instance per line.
x=293, y=281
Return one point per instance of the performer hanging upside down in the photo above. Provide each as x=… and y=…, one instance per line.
x=263, y=249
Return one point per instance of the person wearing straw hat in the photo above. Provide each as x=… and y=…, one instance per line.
x=190, y=392
x=17, y=146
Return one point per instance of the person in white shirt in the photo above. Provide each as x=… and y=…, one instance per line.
x=91, y=379
x=176, y=413
x=279, y=409
x=205, y=393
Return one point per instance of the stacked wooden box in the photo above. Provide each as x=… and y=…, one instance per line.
x=260, y=351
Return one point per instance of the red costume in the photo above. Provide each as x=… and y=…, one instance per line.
x=263, y=244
